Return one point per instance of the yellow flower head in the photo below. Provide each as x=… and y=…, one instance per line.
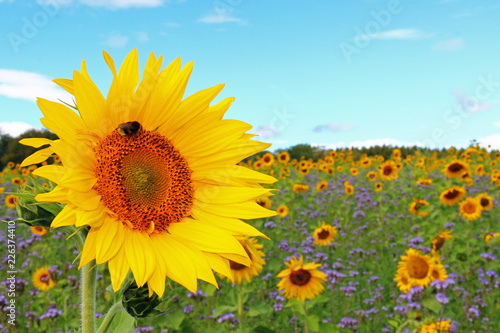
x=388, y=171
x=282, y=210
x=452, y=195
x=455, y=169
x=42, y=279
x=301, y=281
x=153, y=175
x=325, y=234
x=470, y=209
x=322, y=185
x=297, y=188
x=241, y=272
x=416, y=206
x=485, y=201
x=418, y=267
x=40, y=231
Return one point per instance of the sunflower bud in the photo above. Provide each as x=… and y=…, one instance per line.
x=32, y=212
x=138, y=303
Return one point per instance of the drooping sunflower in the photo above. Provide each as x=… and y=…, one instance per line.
x=325, y=234
x=438, y=242
x=388, y=171
x=485, y=201
x=153, y=176
x=40, y=230
x=424, y=181
x=300, y=281
x=241, y=272
x=297, y=188
x=417, y=266
x=416, y=206
x=442, y=326
x=489, y=236
x=470, y=209
x=322, y=185
x=455, y=169
x=42, y=279
x=452, y=195
x=282, y=210
x=11, y=201
x=265, y=202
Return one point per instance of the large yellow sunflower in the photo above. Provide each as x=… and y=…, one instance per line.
x=470, y=209
x=485, y=201
x=388, y=171
x=455, y=169
x=325, y=234
x=153, y=176
x=416, y=206
x=417, y=266
x=241, y=272
x=42, y=280
x=301, y=281
x=452, y=195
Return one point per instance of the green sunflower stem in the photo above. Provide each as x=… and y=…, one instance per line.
x=306, y=330
x=89, y=277
x=117, y=307
x=240, y=306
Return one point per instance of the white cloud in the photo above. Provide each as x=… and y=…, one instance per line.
x=395, y=34
x=14, y=128
x=116, y=40
x=28, y=85
x=220, y=16
x=497, y=124
x=449, y=45
x=266, y=131
x=369, y=143
x=141, y=37
x=493, y=140
x=470, y=104
x=334, y=127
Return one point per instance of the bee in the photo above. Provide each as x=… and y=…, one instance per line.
x=129, y=128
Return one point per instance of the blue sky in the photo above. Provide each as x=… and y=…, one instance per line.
x=329, y=73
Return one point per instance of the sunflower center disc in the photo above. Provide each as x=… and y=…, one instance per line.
x=455, y=167
x=418, y=268
x=323, y=234
x=387, y=170
x=144, y=180
x=484, y=202
x=470, y=208
x=300, y=277
x=451, y=194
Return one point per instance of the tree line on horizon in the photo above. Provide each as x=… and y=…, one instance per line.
x=12, y=151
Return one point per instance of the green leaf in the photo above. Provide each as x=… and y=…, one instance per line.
x=259, y=309
x=432, y=304
x=320, y=299
x=328, y=327
x=174, y=319
x=312, y=323
x=223, y=309
x=122, y=323
x=208, y=289
x=296, y=306
x=263, y=329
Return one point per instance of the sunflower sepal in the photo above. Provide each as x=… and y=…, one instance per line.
x=138, y=303
x=33, y=213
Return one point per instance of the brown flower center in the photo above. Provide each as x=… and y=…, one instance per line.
x=469, y=208
x=300, y=277
x=455, y=167
x=144, y=180
x=323, y=234
x=484, y=202
x=452, y=194
x=417, y=268
x=387, y=170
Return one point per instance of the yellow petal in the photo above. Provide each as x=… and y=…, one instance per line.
x=178, y=265
x=201, y=236
x=80, y=179
x=91, y=104
x=88, y=253
x=118, y=269
x=109, y=240
x=35, y=142
x=226, y=195
x=219, y=264
x=140, y=255
x=85, y=200
x=231, y=225
x=60, y=119
x=110, y=62
x=92, y=218
x=54, y=173
x=65, y=217
x=58, y=194
x=66, y=84
x=242, y=210
x=37, y=157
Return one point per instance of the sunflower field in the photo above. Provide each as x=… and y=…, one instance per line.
x=367, y=244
